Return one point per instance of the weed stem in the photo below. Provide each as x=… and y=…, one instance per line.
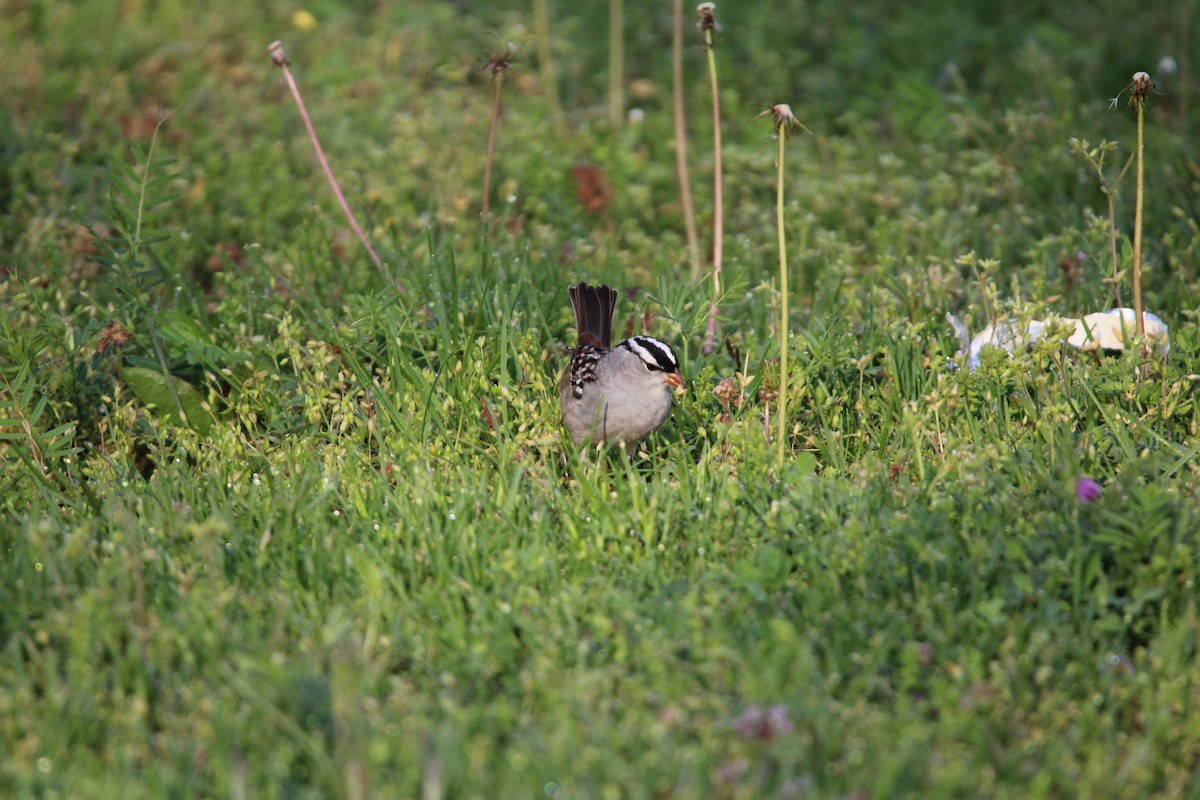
x=681, y=145
x=1140, y=102
x=616, y=63
x=708, y=25
x=541, y=27
x=498, y=80
x=1112, y=245
x=279, y=58
x=784, y=122
x=781, y=135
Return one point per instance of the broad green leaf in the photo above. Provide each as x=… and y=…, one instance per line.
x=158, y=392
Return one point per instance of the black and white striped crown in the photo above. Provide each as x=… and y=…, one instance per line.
x=656, y=355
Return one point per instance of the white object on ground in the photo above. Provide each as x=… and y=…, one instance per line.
x=1106, y=330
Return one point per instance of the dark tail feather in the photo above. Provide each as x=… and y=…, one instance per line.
x=594, y=306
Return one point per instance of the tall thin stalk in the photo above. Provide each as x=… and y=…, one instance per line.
x=784, y=122
x=1141, y=90
x=783, y=301
x=541, y=29
x=279, y=59
x=497, y=64
x=681, y=144
x=1110, y=194
x=708, y=24
x=498, y=82
x=616, y=63
x=1095, y=156
x=1185, y=60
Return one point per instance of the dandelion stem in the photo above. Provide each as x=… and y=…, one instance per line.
x=279, y=58
x=781, y=135
x=498, y=80
x=1137, y=226
x=718, y=188
x=681, y=145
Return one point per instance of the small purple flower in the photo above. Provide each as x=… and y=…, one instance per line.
x=1086, y=490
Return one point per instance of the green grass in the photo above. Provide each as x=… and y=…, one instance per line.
x=304, y=536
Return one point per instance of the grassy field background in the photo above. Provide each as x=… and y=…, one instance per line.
x=272, y=527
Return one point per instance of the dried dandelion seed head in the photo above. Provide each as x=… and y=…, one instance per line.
x=708, y=16
x=278, y=57
x=782, y=114
x=1139, y=89
x=783, y=120
x=501, y=61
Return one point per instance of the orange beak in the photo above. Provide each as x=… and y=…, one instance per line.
x=675, y=380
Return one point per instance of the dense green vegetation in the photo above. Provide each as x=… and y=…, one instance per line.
x=272, y=526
